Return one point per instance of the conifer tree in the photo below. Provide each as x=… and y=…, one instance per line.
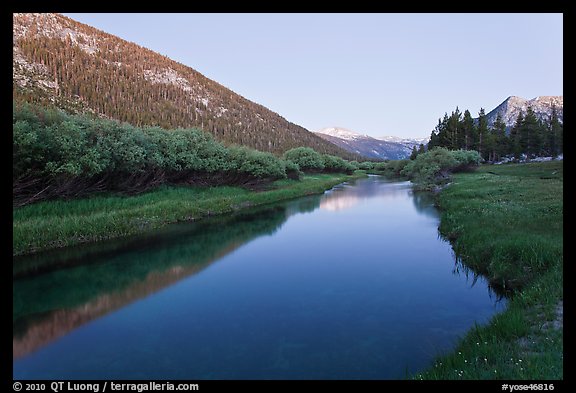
x=482, y=130
x=421, y=149
x=515, y=132
x=530, y=136
x=501, y=143
x=453, y=129
x=555, y=133
x=468, y=135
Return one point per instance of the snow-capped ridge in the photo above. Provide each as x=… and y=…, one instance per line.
x=387, y=147
x=511, y=107
x=397, y=139
x=342, y=133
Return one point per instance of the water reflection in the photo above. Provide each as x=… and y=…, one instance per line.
x=336, y=201
x=498, y=292
x=358, y=287
x=347, y=195
x=60, y=291
x=425, y=204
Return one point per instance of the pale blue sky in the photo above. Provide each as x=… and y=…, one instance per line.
x=377, y=74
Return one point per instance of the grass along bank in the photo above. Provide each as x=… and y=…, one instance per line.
x=59, y=223
x=506, y=222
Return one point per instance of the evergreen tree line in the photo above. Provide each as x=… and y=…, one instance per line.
x=529, y=135
x=58, y=155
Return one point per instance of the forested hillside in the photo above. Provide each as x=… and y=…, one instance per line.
x=72, y=66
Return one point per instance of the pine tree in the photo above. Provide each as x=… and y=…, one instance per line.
x=531, y=134
x=414, y=153
x=501, y=142
x=555, y=134
x=468, y=131
x=434, y=139
x=453, y=129
x=489, y=146
x=442, y=131
x=515, y=136
x=482, y=130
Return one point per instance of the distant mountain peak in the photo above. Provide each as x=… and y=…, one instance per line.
x=382, y=148
x=341, y=132
x=513, y=105
x=398, y=139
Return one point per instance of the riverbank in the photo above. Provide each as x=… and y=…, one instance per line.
x=60, y=223
x=506, y=222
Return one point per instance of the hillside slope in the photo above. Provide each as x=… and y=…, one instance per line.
x=59, y=61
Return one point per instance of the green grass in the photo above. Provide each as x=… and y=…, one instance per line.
x=60, y=223
x=506, y=222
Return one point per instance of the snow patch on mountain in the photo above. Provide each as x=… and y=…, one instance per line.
x=342, y=133
x=405, y=141
x=513, y=105
x=388, y=147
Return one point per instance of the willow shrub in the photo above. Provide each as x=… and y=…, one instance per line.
x=255, y=163
x=61, y=155
x=306, y=158
x=337, y=164
x=392, y=168
x=55, y=154
x=367, y=165
x=292, y=170
x=435, y=166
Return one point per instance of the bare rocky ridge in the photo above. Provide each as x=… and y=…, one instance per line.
x=513, y=105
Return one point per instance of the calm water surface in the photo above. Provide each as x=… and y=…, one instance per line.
x=352, y=284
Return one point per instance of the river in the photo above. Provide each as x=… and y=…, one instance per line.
x=352, y=284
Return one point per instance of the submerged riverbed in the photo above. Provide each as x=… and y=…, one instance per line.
x=352, y=284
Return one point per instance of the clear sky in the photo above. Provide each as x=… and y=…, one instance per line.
x=376, y=74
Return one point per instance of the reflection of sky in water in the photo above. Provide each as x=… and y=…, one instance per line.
x=347, y=195
x=361, y=292
x=336, y=201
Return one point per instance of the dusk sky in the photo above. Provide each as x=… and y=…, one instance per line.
x=376, y=74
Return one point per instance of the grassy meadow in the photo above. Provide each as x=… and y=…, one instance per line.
x=59, y=223
x=506, y=222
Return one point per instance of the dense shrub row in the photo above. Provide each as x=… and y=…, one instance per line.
x=431, y=168
x=309, y=160
x=61, y=155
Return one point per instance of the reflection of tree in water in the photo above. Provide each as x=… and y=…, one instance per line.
x=303, y=205
x=89, y=281
x=424, y=203
x=494, y=290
